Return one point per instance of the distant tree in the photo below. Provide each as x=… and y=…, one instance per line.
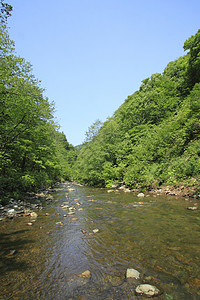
x=93, y=130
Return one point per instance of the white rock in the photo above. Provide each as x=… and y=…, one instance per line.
x=11, y=213
x=72, y=208
x=95, y=230
x=192, y=208
x=132, y=273
x=33, y=215
x=147, y=289
x=140, y=195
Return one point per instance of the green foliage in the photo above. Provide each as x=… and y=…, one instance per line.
x=93, y=130
x=193, y=45
x=153, y=138
x=33, y=154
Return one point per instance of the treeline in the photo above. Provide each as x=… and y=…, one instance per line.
x=153, y=138
x=33, y=153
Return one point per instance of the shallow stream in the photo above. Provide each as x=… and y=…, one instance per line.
x=155, y=235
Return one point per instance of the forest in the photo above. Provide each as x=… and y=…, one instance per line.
x=33, y=153
x=152, y=139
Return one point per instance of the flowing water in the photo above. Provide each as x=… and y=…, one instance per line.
x=158, y=237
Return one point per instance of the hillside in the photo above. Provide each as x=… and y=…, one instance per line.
x=153, y=137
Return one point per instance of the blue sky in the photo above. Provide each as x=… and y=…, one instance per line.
x=91, y=54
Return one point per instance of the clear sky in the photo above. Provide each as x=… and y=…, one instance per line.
x=91, y=54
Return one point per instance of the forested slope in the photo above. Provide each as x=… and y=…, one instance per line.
x=33, y=153
x=153, y=138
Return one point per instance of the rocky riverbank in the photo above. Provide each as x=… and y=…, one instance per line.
x=31, y=202
x=174, y=190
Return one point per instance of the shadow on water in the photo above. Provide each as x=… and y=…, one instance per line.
x=11, y=245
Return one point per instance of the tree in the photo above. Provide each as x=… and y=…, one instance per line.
x=193, y=45
x=93, y=130
x=32, y=152
x=153, y=137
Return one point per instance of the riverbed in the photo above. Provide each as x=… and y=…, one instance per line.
x=87, y=229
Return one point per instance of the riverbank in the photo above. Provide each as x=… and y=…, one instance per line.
x=182, y=190
x=30, y=203
x=36, y=201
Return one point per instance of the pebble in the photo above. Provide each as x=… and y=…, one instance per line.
x=192, y=208
x=30, y=224
x=12, y=252
x=95, y=230
x=72, y=208
x=59, y=223
x=33, y=214
x=147, y=290
x=132, y=273
x=85, y=274
x=140, y=195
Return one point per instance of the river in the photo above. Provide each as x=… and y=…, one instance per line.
x=105, y=233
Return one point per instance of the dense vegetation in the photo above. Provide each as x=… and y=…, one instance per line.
x=153, y=138
x=33, y=153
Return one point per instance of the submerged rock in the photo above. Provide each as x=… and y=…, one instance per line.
x=132, y=273
x=147, y=290
x=59, y=223
x=85, y=274
x=12, y=252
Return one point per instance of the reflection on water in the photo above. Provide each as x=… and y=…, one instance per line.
x=159, y=237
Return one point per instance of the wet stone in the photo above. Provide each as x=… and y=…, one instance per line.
x=140, y=195
x=85, y=274
x=147, y=290
x=192, y=208
x=132, y=273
